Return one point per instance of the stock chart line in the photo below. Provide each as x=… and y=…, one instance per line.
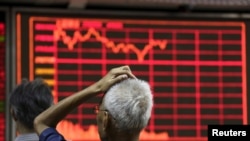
x=59, y=34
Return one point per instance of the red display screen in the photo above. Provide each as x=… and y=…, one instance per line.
x=2, y=78
x=197, y=68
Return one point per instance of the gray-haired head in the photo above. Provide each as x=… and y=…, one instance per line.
x=130, y=103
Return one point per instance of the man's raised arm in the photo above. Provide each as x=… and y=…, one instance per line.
x=52, y=116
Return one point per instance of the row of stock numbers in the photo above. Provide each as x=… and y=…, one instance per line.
x=76, y=24
x=68, y=24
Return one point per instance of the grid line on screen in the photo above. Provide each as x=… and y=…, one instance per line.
x=196, y=69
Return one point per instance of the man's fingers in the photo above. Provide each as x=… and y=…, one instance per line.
x=123, y=70
x=130, y=74
x=120, y=78
x=126, y=68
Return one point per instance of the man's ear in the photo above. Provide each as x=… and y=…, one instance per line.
x=105, y=120
x=13, y=114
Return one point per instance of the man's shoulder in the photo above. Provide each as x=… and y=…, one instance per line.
x=27, y=137
x=51, y=134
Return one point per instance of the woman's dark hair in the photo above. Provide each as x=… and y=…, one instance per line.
x=29, y=99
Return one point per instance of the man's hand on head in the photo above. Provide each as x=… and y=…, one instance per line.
x=114, y=76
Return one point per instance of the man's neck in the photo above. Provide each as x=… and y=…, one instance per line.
x=23, y=130
x=124, y=137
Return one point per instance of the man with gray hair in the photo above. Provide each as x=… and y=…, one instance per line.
x=123, y=113
x=126, y=111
